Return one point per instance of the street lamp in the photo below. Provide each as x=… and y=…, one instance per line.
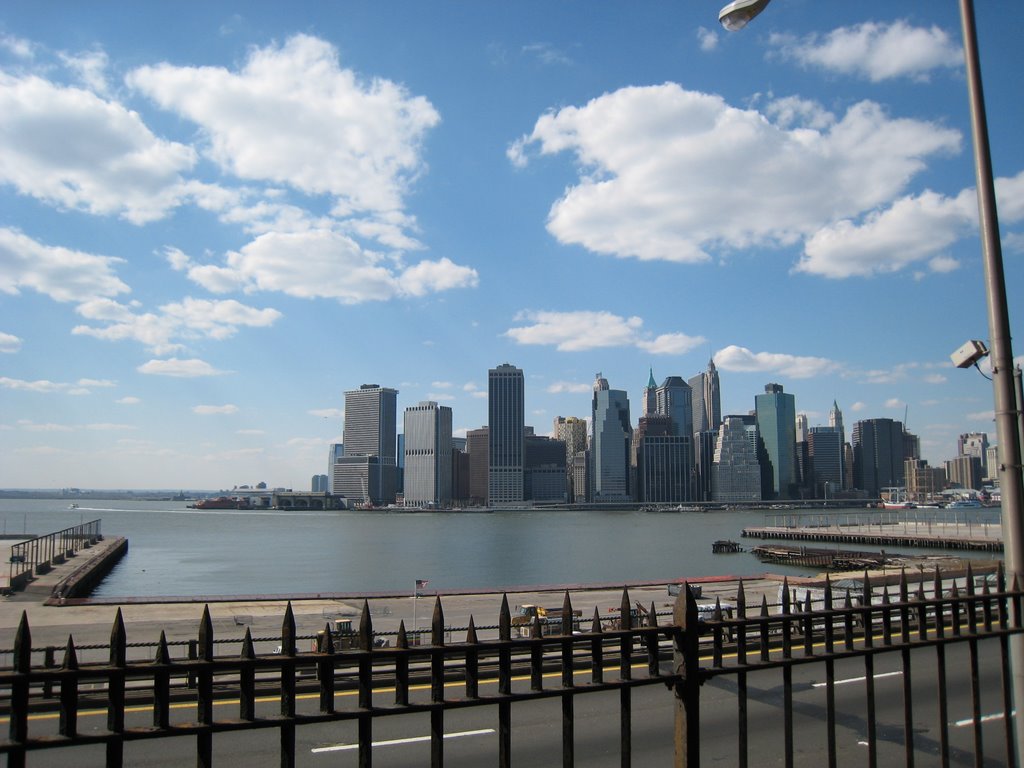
x=1008, y=402
x=736, y=14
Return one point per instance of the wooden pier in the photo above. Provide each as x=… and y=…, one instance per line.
x=935, y=536
x=829, y=559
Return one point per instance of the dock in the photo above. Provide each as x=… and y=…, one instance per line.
x=953, y=536
x=829, y=559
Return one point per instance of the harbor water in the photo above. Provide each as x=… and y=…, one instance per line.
x=174, y=550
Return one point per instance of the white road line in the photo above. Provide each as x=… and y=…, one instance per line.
x=393, y=742
x=984, y=718
x=856, y=679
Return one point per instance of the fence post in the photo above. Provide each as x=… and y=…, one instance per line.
x=687, y=666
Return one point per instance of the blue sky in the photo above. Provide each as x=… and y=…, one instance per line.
x=215, y=218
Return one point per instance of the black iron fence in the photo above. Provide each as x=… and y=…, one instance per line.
x=557, y=657
x=39, y=554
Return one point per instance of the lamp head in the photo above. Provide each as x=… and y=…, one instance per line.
x=736, y=14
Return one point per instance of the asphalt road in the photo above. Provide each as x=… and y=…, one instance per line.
x=536, y=741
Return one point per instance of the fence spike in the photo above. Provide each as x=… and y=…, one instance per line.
x=566, y=614
x=437, y=623
x=22, y=661
x=327, y=644
x=764, y=605
x=206, y=635
x=970, y=579
x=1000, y=577
x=984, y=586
x=904, y=591
x=403, y=639
x=955, y=591
x=625, y=612
x=867, y=589
x=595, y=623
x=248, y=649
x=885, y=594
x=652, y=616
x=920, y=587
x=937, y=583
x=118, y=642
x=717, y=615
x=504, y=620
x=785, y=595
x=535, y=629
x=70, y=655
x=848, y=603
x=471, y=631
x=828, y=593
x=366, y=628
x=808, y=605
x=741, y=601
x=163, y=653
x=288, y=631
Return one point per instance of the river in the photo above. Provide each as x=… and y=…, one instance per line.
x=174, y=550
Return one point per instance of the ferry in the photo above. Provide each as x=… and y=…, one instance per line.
x=964, y=504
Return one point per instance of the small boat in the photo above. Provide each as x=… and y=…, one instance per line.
x=964, y=504
x=72, y=506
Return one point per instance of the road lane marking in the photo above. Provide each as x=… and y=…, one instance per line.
x=394, y=742
x=856, y=679
x=984, y=719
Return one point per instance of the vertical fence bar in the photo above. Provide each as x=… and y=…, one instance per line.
x=787, y=675
x=940, y=672
x=162, y=684
x=908, y=701
x=536, y=656
x=115, y=691
x=686, y=661
x=287, y=727
x=472, y=662
x=437, y=686
x=1004, y=648
x=869, y=671
x=830, y=674
x=69, y=692
x=17, y=727
x=505, y=685
x=741, y=675
x=325, y=669
x=365, y=723
x=49, y=662
x=402, y=667
x=247, y=679
x=972, y=647
x=204, y=693
x=596, y=649
x=568, y=712
x=625, y=673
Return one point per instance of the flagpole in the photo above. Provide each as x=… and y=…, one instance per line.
x=415, y=598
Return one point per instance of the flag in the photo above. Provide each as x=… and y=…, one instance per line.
x=421, y=583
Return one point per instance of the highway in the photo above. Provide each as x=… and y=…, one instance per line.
x=402, y=740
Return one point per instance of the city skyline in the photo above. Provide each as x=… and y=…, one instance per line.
x=215, y=222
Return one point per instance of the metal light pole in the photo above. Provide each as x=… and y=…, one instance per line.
x=1008, y=402
x=1011, y=481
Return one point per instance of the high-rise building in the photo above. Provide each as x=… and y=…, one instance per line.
x=662, y=462
x=707, y=399
x=319, y=484
x=675, y=398
x=649, y=399
x=336, y=451
x=964, y=472
x=573, y=432
x=609, y=444
x=368, y=469
x=924, y=483
x=802, y=427
x=974, y=444
x=825, y=450
x=878, y=455
x=735, y=472
x=544, y=474
x=506, y=424
x=428, y=455
x=477, y=448
x=776, y=421
x=704, y=444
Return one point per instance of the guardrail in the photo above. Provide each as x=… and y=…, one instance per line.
x=693, y=648
x=38, y=555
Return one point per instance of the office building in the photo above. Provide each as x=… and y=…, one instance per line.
x=735, y=472
x=878, y=455
x=674, y=398
x=975, y=444
x=610, y=443
x=544, y=469
x=428, y=455
x=662, y=462
x=923, y=483
x=704, y=444
x=573, y=432
x=649, y=397
x=964, y=472
x=707, y=399
x=506, y=429
x=477, y=448
x=336, y=450
x=775, y=412
x=825, y=457
x=319, y=484
x=367, y=472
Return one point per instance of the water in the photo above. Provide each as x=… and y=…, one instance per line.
x=174, y=550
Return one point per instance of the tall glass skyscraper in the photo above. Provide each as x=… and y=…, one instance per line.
x=707, y=399
x=776, y=421
x=506, y=425
x=610, y=443
x=368, y=469
x=428, y=455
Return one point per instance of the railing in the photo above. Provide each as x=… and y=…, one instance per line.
x=365, y=683
x=39, y=554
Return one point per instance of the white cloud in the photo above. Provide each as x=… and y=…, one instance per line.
x=90, y=67
x=60, y=273
x=742, y=360
x=665, y=171
x=128, y=400
x=935, y=378
x=44, y=386
x=9, y=343
x=186, y=369
x=570, y=387
x=215, y=410
x=547, y=54
x=18, y=46
x=707, y=39
x=327, y=413
x=876, y=51
x=73, y=149
x=858, y=406
x=357, y=141
x=323, y=263
x=187, y=319
x=894, y=402
x=583, y=330
x=981, y=416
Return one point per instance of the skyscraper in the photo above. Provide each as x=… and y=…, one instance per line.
x=776, y=421
x=368, y=468
x=878, y=455
x=610, y=443
x=662, y=462
x=675, y=398
x=707, y=399
x=649, y=402
x=506, y=423
x=825, y=448
x=428, y=455
x=573, y=431
x=736, y=472
x=975, y=444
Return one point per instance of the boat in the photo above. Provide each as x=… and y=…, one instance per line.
x=72, y=506
x=896, y=498
x=964, y=504
x=222, y=502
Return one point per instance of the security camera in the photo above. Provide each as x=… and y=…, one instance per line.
x=969, y=354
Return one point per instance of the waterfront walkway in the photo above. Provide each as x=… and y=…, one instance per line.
x=912, y=533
